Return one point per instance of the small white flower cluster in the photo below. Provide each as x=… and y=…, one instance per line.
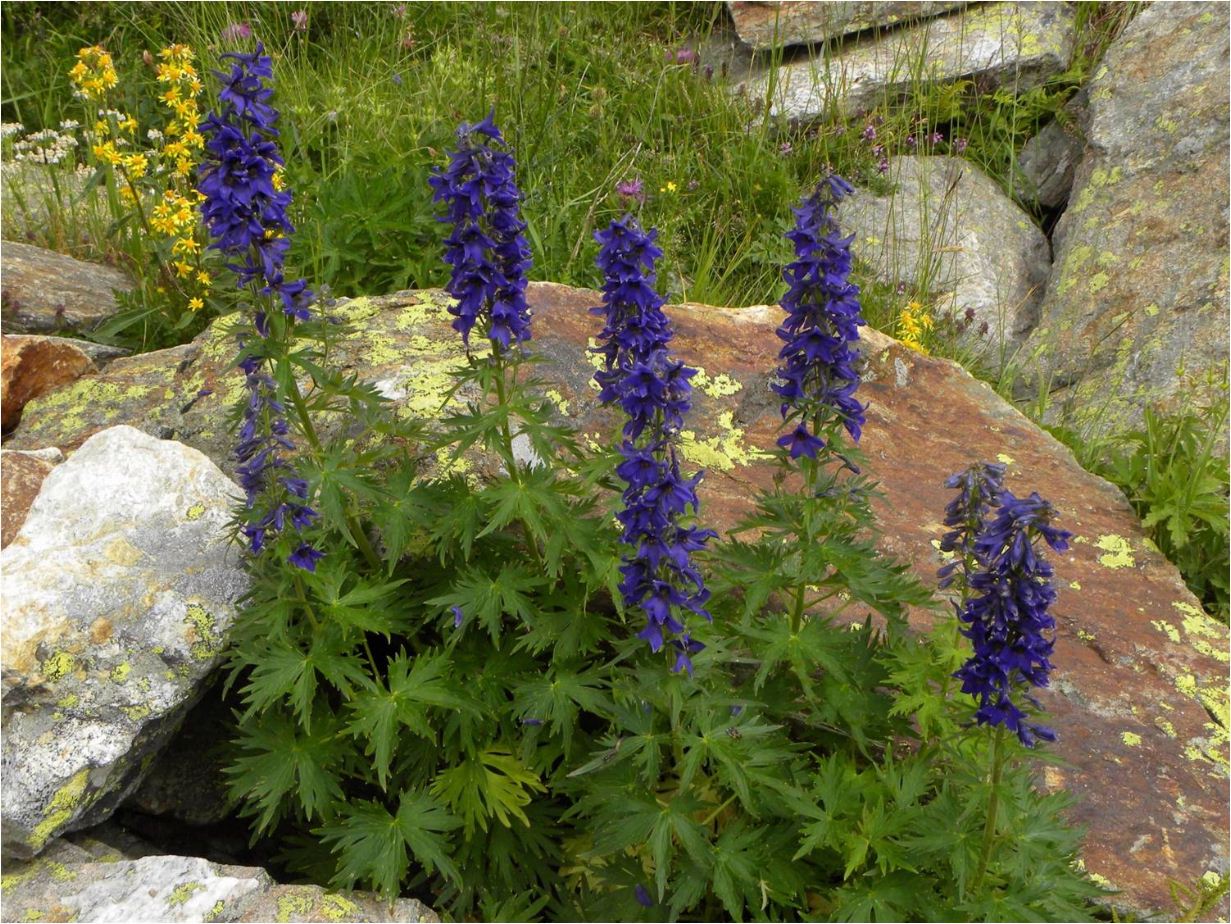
x=44, y=147
x=154, y=135
x=9, y=129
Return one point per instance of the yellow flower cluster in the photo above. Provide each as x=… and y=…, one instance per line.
x=914, y=324
x=94, y=73
x=166, y=168
x=175, y=70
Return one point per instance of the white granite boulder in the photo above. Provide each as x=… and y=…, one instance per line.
x=1014, y=45
x=119, y=591
x=948, y=227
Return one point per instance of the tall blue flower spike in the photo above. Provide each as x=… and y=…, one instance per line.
x=246, y=215
x=487, y=248
x=817, y=378
x=1005, y=614
x=654, y=392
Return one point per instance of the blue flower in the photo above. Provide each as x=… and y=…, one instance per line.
x=1006, y=614
x=654, y=391
x=979, y=489
x=245, y=212
x=246, y=215
x=817, y=378
x=487, y=248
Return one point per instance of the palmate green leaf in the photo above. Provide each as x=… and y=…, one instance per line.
x=283, y=671
x=558, y=697
x=412, y=686
x=489, y=597
x=738, y=860
x=280, y=765
x=491, y=784
x=372, y=844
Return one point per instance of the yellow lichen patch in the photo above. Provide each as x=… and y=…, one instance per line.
x=68, y=702
x=195, y=512
x=292, y=905
x=203, y=633
x=60, y=811
x=1167, y=629
x=558, y=400
x=720, y=386
x=1005, y=459
x=120, y=672
x=1086, y=636
x=60, y=872
x=181, y=893
x=137, y=713
x=722, y=452
x=1119, y=554
x=1165, y=725
x=1074, y=585
x=1132, y=739
x=24, y=871
x=216, y=912
x=337, y=908
x=58, y=666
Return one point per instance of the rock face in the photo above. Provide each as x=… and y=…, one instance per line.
x=47, y=292
x=949, y=226
x=1135, y=311
x=1017, y=45
x=766, y=24
x=119, y=591
x=71, y=883
x=21, y=477
x=1137, y=664
x=33, y=365
x=1049, y=159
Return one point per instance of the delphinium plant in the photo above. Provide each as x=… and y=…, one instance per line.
x=500, y=685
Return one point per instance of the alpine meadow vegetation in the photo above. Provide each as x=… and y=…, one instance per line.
x=543, y=688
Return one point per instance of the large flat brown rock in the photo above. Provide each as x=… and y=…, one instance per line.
x=1139, y=697
x=766, y=24
x=47, y=292
x=31, y=366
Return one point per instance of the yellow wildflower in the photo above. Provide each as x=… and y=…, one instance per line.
x=106, y=152
x=914, y=323
x=185, y=245
x=279, y=181
x=183, y=167
x=204, y=278
x=183, y=269
x=193, y=138
x=136, y=164
x=195, y=304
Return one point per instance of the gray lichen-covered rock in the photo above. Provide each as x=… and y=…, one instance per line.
x=1017, y=45
x=119, y=590
x=74, y=883
x=1135, y=311
x=46, y=292
x=766, y=24
x=1048, y=160
x=948, y=227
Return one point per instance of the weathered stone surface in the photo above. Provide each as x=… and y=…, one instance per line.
x=1137, y=664
x=21, y=476
x=31, y=366
x=119, y=591
x=1018, y=45
x=1135, y=311
x=312, y=903
x=1048, y=160
x=45, y=292
x=72, y=882
x=766, y=24
x=948, y=225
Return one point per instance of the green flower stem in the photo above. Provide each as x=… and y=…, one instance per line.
x=993, y=806
x=510, y=460
x=352, y=520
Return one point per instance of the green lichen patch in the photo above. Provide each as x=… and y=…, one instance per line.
x=119, y=673
x=195, y=512
x=292, y=905
x=57, y=666
x=1118, y=553
x=204, y=638
x=181, y=893
x=63, y=808
x=338, y=908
